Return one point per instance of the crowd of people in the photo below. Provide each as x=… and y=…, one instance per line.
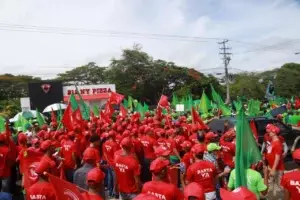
x=135, y=159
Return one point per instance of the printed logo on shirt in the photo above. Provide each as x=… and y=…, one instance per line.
x=71, y=194
x=38, y=197
x=204, y=172
x=108, y=148
x=67, y=147
x=122, y=167
x=145, y=143
x=32, y=174
x=160, y=196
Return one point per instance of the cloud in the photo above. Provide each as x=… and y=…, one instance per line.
x=251, y=25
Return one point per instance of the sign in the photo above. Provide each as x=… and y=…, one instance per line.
x=89, y=89
x=179, y=107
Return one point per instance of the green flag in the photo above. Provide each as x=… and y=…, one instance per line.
x=146, y=107
x=225, y=110
x=204, y=103
x=238, y=105
x=216, y=97
x=73, y=102
x=96, y=110
x=247, y=152
x=125, y=103
x=85, y=108
x=130, y=103
x=40, y=118
x=174, y=100
x=2, y=124
x=140, y=109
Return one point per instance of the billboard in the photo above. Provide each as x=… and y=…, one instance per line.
x=44, y=93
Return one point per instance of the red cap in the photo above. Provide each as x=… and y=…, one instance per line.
x=230, y=133
x=111, y=133
x=198, y=148
x=240, y=193
x=186, y=144
x=210, y=135
x=146, y=196
x=182, y=118
x=126, y=142
x=47, y=144
x=95, y=176
x=170, y=131
x=71, y=134
x=296, y=154
x=276, y=130
x=2, y=138
x=126, y=133
x=158, y=164
x=41, y=134
x=42, y=167
x=35, y=140
x=44, y=127
x=22, y=138
x=194, y=190
x=134, y=132
x=89, y=154
x=162, y=151
x=269, y=127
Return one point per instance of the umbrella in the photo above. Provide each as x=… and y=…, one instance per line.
x=279, y=110
x=218, y=124
x=26, y=114
x=55, y=107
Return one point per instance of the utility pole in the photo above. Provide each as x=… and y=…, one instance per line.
x=226, y=59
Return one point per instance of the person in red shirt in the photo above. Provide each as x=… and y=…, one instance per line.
x=291, y=181
x=35, y=145
x=41, y=189
x=188, y=156
x=47, y=162
x=127, y=171
x=94, y=180
x=193, y=191
x=149, y=144
x=137, y=145
x=109, y=149
x=6, y=161
x=158, y=187
x=68, y=152
x=95, y=142
x=202, y=172
x=228, y=148
x=146, y=197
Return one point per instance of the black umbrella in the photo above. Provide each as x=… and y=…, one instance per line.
x=217, y=125
x=278, y=111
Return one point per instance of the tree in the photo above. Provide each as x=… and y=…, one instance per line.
x=83, y=75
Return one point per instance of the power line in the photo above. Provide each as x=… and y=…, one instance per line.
x=226, y=59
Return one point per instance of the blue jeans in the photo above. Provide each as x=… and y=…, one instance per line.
x=111, y=177
x=5, y=184
x=128, y=196
x=69, y=174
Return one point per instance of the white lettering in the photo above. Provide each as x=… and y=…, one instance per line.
x=37, y=197
x=160, y=196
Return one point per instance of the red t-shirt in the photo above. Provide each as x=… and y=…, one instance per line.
x=50, y=165
x=204, y=173
x=162, y=190
x=109, y=149
x=188, y=159
x=268, y=141
x=67, y=151
x=276, y=149
x=228, y=150
x=149, y=144
x=193, y=138
x=179, y=139
x=89, y=196
x=138, y=148
x=126, y=167
x=291, y=182
x=6, y=159
x=162, y=142
x=41, y=190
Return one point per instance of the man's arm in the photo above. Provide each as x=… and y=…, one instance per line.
x=285, y=149
x=276, y=162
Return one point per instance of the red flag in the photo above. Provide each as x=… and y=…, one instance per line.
x=53, y=117
x=104, y=117
x=7, y=132
x=109, y=110
x=28, y=162
x=297, y=103
x=64, y=189
x=197, y=120
x=116, y=98
x=163, y=102
x=159, y=112
x=254, y=130
x=67, y=118
x=168, y=122
x=123, y=111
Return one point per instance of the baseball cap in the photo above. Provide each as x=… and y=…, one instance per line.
x=198, y=148
x=230, y=133
x=158, y=164
x=162, y=151
x=194, y=190
x=22, y=138
x=240, y=193
x=95, y=176
x=296, y=154
x=210, y=135
x=213, y=147
x=47, y=144
x=89, y=154
x=145, y=197
x=126, y=142
x=186, y=144
x=269, y=127
x=42, y=167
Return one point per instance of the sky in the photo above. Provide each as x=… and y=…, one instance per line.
x=44, y=38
